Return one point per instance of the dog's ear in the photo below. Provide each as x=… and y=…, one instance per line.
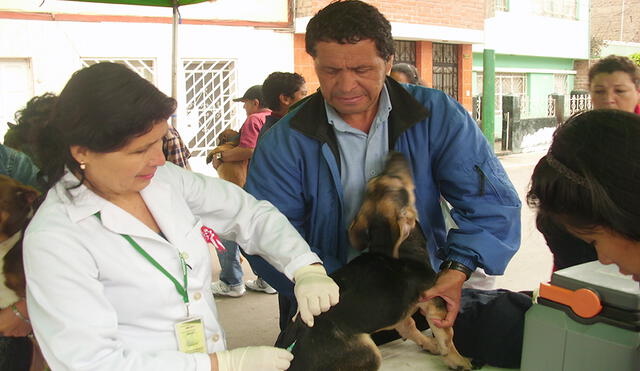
x=26, y=194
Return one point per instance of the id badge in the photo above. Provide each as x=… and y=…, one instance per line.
x=190, y=334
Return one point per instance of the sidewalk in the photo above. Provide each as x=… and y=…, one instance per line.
x=253, y=318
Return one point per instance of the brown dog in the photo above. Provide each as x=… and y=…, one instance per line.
x=379, y=290
x=232, y=171
x=16, y=208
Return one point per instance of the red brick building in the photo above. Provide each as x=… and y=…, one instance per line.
x=435, y=35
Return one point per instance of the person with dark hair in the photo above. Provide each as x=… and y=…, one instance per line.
x=405, y=73
x=314, y=164
x=281, y=90
x=588, y=184
x=614, y=82
x=34, y=115
x=116, y=258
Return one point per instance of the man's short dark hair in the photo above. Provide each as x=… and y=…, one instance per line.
x=277, y=83
x=348, y=22
x=614, y=63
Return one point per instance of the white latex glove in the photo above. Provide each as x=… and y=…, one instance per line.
x=254, y=359
x=315, y=292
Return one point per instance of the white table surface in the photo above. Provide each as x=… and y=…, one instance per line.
x=402, y=355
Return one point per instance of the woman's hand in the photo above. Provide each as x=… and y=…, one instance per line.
x=315, y=292
x=260, y=358
x=11, y=325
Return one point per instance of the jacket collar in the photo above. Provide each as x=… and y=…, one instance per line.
x=311, y=119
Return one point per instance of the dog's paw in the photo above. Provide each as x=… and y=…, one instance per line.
x=458, y=362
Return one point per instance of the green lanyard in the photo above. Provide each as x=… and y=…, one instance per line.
x=182, y=290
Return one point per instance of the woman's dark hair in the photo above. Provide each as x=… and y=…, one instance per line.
x=29, y=120
x=408, y=70
x=614, y=63
x=280, y=83
x=591, y=175
x=102, y=108
x=348, y=22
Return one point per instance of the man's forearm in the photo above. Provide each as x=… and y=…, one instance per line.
x=237, y=154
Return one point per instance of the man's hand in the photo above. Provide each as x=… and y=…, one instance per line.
x=216, y=163
x=449, y=287
x=315, y=292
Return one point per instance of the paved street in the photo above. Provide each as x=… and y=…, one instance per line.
x=253, y=318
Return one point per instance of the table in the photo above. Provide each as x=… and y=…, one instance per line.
x=402, y=355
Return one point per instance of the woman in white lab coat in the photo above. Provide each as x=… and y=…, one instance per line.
x=118, y=257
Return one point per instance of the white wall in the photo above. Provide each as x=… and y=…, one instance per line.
x=55, y=49
x=252, y=10
x=520, y=32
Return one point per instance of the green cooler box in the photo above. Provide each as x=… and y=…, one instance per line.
x=586, y=319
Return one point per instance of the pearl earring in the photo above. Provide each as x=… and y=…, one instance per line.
x=83, y=166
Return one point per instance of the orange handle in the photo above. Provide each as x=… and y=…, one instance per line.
x=584, y=302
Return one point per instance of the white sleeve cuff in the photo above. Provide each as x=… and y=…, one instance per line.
x=299, y=262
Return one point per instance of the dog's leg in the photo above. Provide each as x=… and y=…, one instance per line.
x=436, y=309
x=408, y=330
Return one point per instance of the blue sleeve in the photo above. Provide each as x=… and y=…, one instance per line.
x=275, y=176
x=486, y=206
x=19, y=166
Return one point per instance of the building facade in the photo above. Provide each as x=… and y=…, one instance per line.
x=435, y=36
x=536, y=44
x=223, y=49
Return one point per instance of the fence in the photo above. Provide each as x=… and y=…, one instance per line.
x=523, y=133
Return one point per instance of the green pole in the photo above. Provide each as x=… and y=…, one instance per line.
x=489, y=95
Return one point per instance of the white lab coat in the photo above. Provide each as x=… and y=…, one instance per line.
x=97, y=304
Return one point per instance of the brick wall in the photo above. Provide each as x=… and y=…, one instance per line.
x=465, y=65
x=424, y=61
x=607, y=20
x=582, y=74
x=468, y=14
x=303, y=63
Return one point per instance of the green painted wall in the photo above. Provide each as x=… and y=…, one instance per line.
x=539, y=86
x=519, y=61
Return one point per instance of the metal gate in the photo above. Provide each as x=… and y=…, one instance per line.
x=210, y=87
x=445, y=68
x=405, y=52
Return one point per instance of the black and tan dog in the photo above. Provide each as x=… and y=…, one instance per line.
x=381, y=289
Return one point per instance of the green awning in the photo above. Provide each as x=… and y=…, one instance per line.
x=167, y=3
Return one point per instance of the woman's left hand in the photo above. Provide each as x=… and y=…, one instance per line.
x=11, y=325
x=315, y=292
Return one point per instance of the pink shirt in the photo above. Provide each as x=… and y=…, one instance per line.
x=251, y=128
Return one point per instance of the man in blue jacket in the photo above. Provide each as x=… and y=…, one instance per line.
x=314, y=165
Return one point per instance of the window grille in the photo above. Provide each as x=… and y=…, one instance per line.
x=567, y=9
x=210, y=86
x=144, y=67
x=508, y=84
x=405, y=52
